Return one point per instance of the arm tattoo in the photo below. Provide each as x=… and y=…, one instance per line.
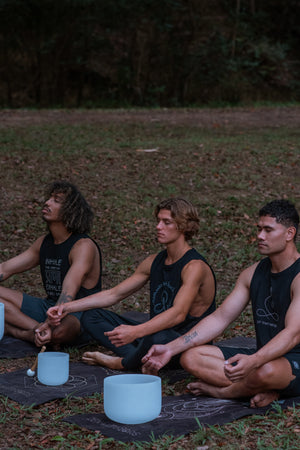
x=64, y=298
x=1, y=276
x=189, y=337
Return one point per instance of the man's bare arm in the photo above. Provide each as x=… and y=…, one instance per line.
x=22, y=262
x=208, y=328
x=108, y=297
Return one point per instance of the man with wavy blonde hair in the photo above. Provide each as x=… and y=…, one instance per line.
x=182, y=292
x=184, y=214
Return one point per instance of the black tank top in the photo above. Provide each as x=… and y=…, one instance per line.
x=54, y=264
x=165, y=282
x=271, y=297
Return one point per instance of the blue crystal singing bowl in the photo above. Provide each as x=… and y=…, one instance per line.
x=53, y=368
x=132, y=398
x=1, y=320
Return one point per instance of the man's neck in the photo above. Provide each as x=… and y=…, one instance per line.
x=59, y=232
x=176, y=250
x=282, y=261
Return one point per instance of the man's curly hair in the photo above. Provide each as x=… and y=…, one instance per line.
x=184, y=214
x=76, y=213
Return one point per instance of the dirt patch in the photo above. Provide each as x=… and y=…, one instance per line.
x=207, y=118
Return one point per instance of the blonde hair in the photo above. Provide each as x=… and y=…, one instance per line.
x=184, y=214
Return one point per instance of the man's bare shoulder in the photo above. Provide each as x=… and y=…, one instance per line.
x=144, y=268
x=147, y=262
x=295, y=287
x=86, y=245
x=38, y=242
x=247, y=274
x=85, y=241
x=196, y=265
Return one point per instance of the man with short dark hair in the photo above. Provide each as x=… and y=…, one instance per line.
x=182, y=292
x=70, y=263
x=273, y=285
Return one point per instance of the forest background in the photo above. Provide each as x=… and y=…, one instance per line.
x=99, y=53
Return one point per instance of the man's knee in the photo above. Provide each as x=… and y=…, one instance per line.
x=261, y=377
x=63, y=336
x=10, y=309
x=161, y=337
x=90, y=317
x=85, y=318
x=66, y=332
x=12, y=302
x=188, y=359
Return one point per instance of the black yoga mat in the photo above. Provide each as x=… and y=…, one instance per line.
x=84, y=380
x=180, y=415
x=11, y=347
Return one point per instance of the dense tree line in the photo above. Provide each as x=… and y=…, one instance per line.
x=148, y=52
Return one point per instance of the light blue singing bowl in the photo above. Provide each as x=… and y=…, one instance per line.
x=132, y=398
x=1, y=320
x=53, y=368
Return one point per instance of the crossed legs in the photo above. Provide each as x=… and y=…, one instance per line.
x=17, y=324
x=206, y=363
x=22, y=326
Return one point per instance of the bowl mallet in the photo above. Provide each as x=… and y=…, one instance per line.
x=31, y=371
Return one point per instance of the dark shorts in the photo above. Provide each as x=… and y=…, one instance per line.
x=37, y=308
x=293, y=389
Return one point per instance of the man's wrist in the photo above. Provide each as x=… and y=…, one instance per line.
x=48, y=324
x=256, y=360
x=138, y=331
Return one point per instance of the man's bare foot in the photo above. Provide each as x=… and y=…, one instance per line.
x=257, y=401
x=101, y=359
x=263, y=399
x=201, y=388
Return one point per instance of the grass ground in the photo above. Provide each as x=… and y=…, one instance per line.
x=227, y=162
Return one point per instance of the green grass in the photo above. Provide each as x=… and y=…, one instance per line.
x=228, y=172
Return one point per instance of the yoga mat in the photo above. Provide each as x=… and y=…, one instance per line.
x=178, y=417
x=84, y=380
x=11, y=347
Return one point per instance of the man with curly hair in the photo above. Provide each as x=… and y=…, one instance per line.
x=182, y=292
x=70, y=264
